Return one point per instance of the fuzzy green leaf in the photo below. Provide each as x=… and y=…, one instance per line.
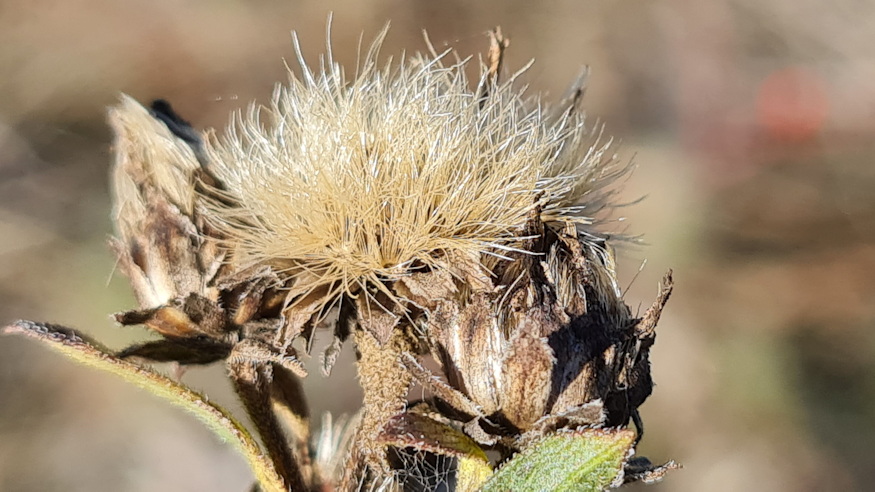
x=583, y=461
x=91, y=353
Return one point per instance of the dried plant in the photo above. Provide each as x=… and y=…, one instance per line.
x=424, y=218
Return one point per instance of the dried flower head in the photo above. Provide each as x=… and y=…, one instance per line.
x=431, y=217
x=354, y=182
x=443, y=217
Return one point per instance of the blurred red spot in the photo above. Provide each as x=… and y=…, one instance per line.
x=792, y=105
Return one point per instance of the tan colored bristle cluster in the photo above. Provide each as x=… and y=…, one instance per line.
x=351, y=182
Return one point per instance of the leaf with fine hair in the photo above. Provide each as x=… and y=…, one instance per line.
x=90, y=353
x=588, y=460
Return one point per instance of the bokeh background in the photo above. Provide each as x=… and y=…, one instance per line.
x=752, y=125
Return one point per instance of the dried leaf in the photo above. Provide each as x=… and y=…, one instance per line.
x=468, y=343
x=640, y=469
x=189, y=316
x=85, y=351
x=346, y=319
x=426, y=288
x=380, y=319
x=184, y=351
x=167, y=320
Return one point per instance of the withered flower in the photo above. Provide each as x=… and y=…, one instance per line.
x=424, y=218
x=186, y=284
x=447, y=220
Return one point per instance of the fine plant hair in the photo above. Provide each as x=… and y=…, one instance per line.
x=455, y=231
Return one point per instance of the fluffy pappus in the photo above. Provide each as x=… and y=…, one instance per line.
x=345, y=182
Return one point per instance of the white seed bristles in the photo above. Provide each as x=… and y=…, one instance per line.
x=349, y=182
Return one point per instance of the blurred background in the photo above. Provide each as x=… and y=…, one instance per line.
x=751, y=123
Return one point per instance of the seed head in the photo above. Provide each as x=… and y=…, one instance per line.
x=352, y=182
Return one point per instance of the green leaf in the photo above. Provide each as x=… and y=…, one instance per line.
x=91, y=353
x=582, y=460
